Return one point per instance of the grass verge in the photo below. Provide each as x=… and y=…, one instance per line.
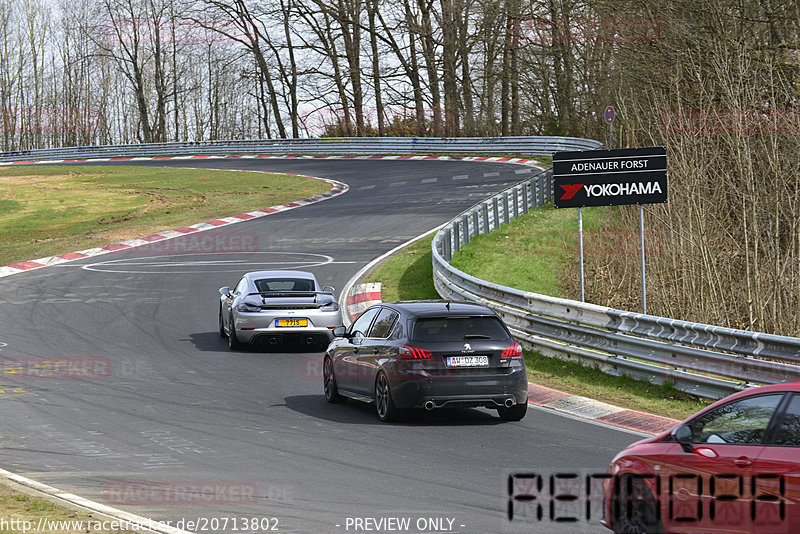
x=48, y=210
x=18, y=505
x=531, y=252
x=624, y=391
x=541, y=237
x=407, y=275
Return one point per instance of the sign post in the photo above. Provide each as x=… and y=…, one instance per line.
x=609, y=115
x=611, y=178
x=580, y=250
x=641, y=246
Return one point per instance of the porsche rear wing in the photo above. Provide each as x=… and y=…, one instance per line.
x=284, y=294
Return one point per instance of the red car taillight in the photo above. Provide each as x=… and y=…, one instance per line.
x=414, y=353
x=512, y=351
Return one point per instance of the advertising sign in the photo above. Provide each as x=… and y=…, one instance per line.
x=610, y=177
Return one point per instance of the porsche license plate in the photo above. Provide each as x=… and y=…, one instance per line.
x=291, y=322
x=467, y=361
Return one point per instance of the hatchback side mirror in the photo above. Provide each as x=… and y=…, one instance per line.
x=684, y=435
x=328, y=289
x=340, y=331
x=225, y=291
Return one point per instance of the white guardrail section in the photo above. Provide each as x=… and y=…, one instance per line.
x=527, y=146
x=706, y=360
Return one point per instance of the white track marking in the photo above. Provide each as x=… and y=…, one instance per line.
x=110, y=266
x=145, y=524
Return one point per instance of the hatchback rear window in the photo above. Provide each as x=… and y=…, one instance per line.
x=458, y=329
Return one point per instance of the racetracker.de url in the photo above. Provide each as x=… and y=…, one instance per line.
x=44, y=525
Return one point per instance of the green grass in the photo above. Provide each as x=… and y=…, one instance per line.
x=531, y=253
x=17, y=504
x=407, y=275
x=48, y=210
x=623, y=391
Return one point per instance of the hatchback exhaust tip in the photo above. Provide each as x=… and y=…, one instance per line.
x=509, y=403
x=430, y=405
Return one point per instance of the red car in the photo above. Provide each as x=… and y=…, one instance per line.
x=732, y=467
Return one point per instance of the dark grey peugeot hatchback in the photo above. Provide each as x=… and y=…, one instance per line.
x=427, y=354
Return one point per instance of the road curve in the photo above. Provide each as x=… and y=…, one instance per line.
x=169, y=404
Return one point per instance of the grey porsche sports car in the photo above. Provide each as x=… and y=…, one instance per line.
x=278, y=309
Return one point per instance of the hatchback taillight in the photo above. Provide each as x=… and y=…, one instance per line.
x=414, y=353
x=512, y=351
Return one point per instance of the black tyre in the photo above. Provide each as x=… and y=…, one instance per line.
x=233, y=341
x=329, y=384
x=634, y=510
x=515, y=413
x=384, y=406
x=221, y=324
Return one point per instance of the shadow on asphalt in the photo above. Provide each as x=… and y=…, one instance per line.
x=213, y=342
x=360, y=413
x=208, y=341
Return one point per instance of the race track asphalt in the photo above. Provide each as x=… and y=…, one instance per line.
x=167, y=403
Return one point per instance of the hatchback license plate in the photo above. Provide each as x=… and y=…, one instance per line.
x=467, y=361
x=291, y=322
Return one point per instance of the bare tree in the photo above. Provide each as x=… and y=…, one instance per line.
x=250, y=33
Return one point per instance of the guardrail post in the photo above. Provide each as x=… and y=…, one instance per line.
x=532, y=187
x=448, y=245
x=505, y=208
x=548, y=177
x=496, y=211
x=485, y=213
x=516, y=202
x=541, y=190
x=457, y=240
x=525, y=197
x=475, y=223
x=465, y=224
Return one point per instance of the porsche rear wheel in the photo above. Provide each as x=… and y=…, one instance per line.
x=233, y=341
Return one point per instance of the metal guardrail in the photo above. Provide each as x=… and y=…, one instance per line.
x=523, y=146
x=706, y=360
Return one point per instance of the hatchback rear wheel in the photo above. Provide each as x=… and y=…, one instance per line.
x=383, y=399
x=329, y=384
x=515, y=413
